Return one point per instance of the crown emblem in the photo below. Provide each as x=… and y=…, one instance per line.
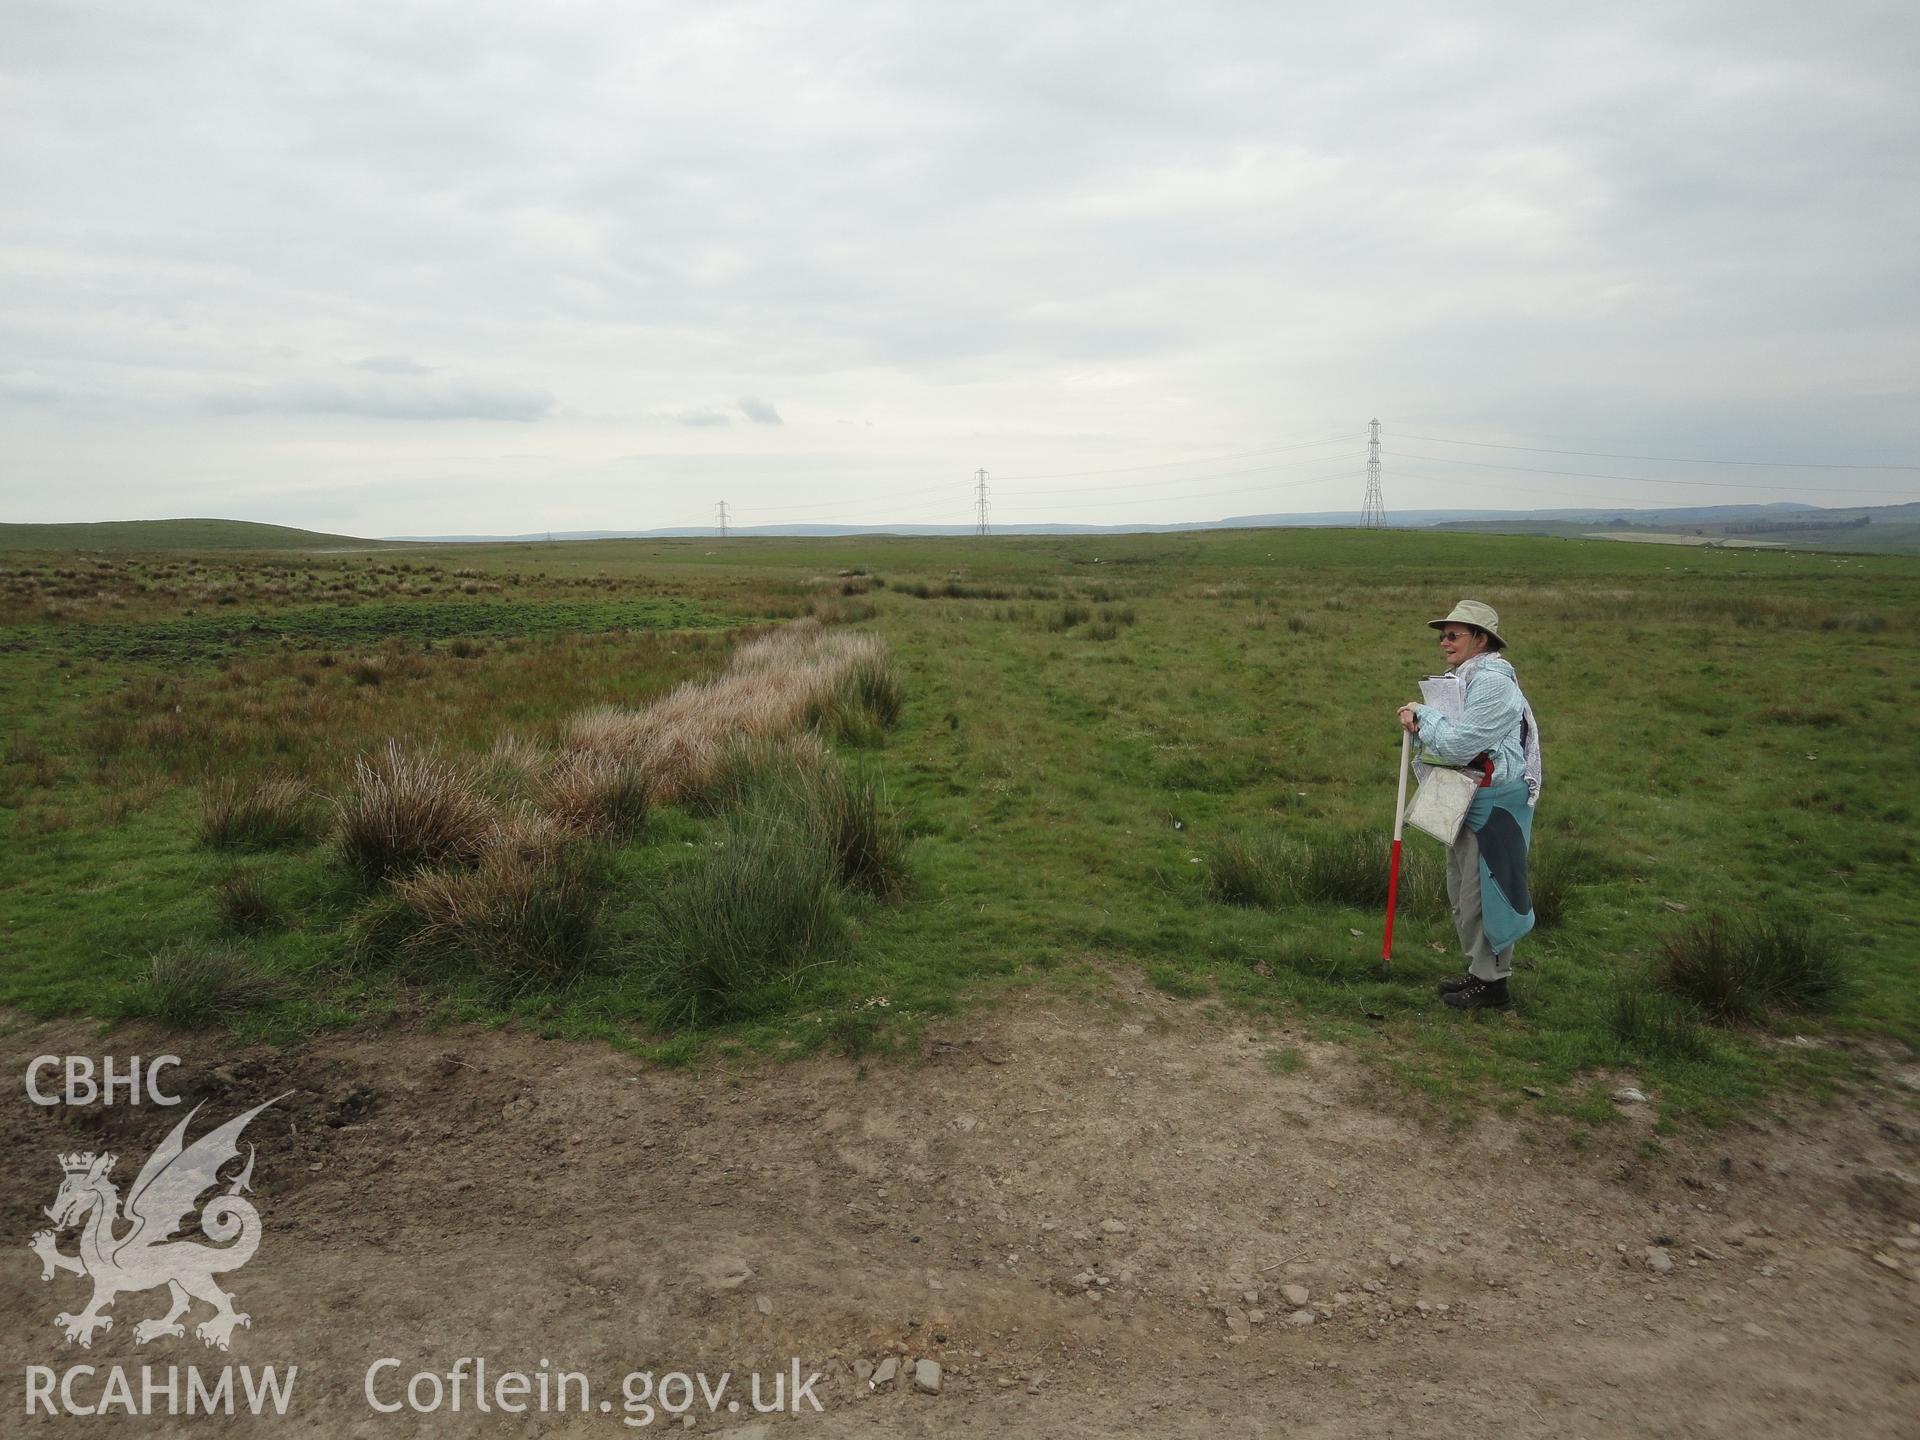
x=81, y=1163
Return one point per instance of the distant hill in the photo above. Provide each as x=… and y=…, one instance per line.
x=1887, y=528
x=134, y=535
x=1891, y=529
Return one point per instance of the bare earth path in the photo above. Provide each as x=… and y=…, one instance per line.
x=1089, y=1218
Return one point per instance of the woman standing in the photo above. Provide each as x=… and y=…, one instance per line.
x=1487, y=862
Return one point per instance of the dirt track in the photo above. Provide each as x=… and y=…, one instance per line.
x=1066, y=1207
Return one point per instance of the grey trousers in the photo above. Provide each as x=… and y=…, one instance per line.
x=1463, y=890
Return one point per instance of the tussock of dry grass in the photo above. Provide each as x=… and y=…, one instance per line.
x=408, y=809
x=595, y=793
x=530, y=834
x=801, y=677
x=528, y=918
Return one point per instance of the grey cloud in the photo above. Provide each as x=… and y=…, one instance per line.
x=28, y=390
x=1511, y=215
x=430, y=400
x=392, y=365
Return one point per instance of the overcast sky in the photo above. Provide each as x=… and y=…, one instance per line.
x=424, y=268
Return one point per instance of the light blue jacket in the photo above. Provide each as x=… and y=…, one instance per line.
x=1494, y=708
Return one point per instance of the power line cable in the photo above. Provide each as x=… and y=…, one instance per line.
x=889, y=512
x=1209, y=495
x=946, y=489
x=1134, y=484
x=1170, y=464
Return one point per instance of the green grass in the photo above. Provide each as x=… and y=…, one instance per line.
x=1284, y=1060
x=1653, y=1026
x=1719, y=726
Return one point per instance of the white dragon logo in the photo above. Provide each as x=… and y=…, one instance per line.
x=145, y=1257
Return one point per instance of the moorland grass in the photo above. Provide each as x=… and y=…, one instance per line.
x=131, y=536
x=804, y=676
x=593, y=793
x=499, y=870
x=1715, y=723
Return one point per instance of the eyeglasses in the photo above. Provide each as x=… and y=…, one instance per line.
x=1455, y=636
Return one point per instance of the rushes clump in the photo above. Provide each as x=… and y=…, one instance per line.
x=1350, y=869
x=406, y=810
x=846, y=813
x=851, y=814
x=1555, y=869
x=730, y=940
x=1740, y=969
x=745, y=764
x=1864, y=622
x=871, y=686
x=512, y=766
x=246, y=907
x=191, y=986
x=259, y=814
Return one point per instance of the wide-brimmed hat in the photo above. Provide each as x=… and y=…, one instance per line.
x=1476, y=613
